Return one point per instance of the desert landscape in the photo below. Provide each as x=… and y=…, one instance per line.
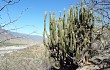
x=55, y=35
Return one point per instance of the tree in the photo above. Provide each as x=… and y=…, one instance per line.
x=101, y=8
x=3, y=6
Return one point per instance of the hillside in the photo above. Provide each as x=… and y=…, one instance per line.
x=18, y=38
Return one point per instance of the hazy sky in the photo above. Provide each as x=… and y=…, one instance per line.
x=34, y=15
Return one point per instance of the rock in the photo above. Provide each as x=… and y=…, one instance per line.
x=88, y=67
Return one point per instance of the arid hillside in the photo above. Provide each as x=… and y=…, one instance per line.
x=18, y=38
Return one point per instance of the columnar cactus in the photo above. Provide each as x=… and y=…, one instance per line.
x=70, y=36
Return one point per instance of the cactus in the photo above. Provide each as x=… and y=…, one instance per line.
x=70, y=36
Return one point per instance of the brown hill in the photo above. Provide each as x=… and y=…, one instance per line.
x=18, y=38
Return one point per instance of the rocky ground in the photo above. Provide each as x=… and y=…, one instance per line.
x=36, y=58
x=101, y=61
x=30, y=58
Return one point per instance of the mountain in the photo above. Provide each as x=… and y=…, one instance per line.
x=7, y=36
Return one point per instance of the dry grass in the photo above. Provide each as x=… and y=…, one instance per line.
x=33, y=58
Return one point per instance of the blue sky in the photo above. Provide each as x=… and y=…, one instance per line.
x=32, y=19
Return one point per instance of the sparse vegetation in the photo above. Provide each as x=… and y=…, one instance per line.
x=32, y=58
x=9, y=44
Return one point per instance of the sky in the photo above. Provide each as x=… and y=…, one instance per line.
x=31, y=13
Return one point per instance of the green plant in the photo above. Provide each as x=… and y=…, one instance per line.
x=70, y=39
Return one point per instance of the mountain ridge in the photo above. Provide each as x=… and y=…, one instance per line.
x=7, y=36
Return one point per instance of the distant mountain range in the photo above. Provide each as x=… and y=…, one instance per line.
x=7, y=36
